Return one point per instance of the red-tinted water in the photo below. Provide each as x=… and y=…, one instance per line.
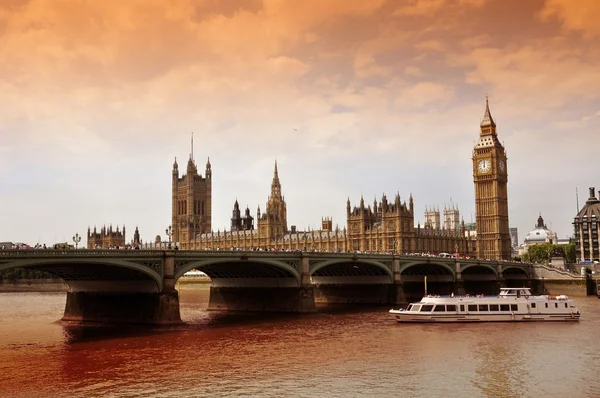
x=335, y=354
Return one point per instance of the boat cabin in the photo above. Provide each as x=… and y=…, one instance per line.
x=515, y=292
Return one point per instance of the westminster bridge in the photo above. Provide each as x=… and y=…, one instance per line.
x=139, y=285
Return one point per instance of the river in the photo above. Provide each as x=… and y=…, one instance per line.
x=350, y=353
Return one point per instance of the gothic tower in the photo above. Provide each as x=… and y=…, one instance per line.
x=191, y=202
x=273, y=223
x=491, y=195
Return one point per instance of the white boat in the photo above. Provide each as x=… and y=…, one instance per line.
x=511, y=305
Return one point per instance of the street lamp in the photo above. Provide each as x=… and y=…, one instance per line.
x=169, y=232
x=76, y=239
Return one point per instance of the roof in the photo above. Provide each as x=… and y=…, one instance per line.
x=592, y=206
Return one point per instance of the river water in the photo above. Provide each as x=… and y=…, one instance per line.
x=350, y=353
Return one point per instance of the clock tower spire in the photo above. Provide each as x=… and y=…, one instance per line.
x=490, y=177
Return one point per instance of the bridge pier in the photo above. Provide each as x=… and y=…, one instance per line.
x=397, y=294
x=459, y=288
x=264, y=299
x=132, y=302
x=117, y=307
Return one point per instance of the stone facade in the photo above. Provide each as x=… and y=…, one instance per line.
x=191, y=202
x=387, y=227
x=586, y=226
x=105, y=238
x=490, y=176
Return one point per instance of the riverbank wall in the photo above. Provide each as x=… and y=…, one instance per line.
x=34, y=285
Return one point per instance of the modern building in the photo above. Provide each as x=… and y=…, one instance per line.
x=585, y=226
x=490, y=176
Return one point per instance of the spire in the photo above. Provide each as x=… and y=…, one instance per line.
x=487, y=116
x=276, y=185
x=192, y=152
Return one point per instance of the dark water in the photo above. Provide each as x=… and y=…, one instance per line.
x=335, y=354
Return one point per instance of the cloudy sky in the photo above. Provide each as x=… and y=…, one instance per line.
x=352, y=98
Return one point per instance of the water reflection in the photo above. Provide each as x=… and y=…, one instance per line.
x=343, y=353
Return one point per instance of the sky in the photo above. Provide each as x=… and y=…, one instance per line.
x=351, y=97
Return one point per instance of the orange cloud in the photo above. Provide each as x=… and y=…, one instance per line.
x=580, y=15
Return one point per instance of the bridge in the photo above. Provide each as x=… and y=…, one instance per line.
x=139, y=285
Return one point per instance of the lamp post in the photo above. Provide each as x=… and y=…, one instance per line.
x=169, y=232
x=76, y=239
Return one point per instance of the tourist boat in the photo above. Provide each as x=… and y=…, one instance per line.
x=511, y=305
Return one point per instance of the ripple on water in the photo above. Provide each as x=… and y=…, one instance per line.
x=337, y=354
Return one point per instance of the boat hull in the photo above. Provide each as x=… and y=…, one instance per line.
x=406, y=317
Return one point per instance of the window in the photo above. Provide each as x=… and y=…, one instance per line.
x=566, y=305
x=555, y=305
x=416, y=308
x=472, y=307
x=440, y=308
x=494, y=307
x=504, y=307
x=451, y=307
x=514, y=307
x=409, y=307
x=532, y=305
x=483, y=307
x=426, y=308
x=462, y=308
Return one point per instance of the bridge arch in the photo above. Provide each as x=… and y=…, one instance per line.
x=338, y=266
x=241, y=268
x=473, y=267
x=427, y=264
x=63, y=268
x=515, y=272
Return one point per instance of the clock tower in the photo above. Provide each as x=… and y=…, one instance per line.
x=490, y=176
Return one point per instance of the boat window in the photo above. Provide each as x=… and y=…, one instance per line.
x=514, y=307
x=426, y=308
x=416, y=308
x=440, y=308
x=504, y=307
x=462, y=308
x=565, y=305
x=451, y=307
x=483, y=307
x=409, y=307
x=546, y=305
x=555, y=305
x=494, y=307
x=532, y=305
x=472, y=307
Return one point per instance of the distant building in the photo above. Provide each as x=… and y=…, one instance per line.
x=239, y=223
x=514, y=240
x=451, y=217
x=105, y=238
x=585, y=226
x=432, y=218
x=191, y=202
x=451, y=220
x=538, y=235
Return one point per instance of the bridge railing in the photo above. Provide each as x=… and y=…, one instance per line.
x=29, y=253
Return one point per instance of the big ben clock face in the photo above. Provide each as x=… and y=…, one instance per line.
x=484, y=165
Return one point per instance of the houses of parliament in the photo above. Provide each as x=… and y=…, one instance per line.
x=385, y=226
